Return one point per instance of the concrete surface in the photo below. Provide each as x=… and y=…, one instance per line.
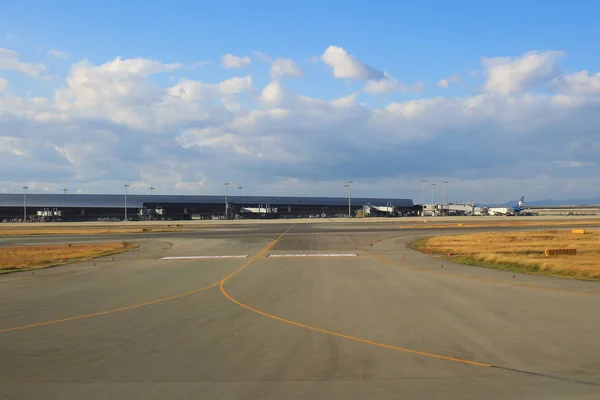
x=388, y=324
x=299, y=221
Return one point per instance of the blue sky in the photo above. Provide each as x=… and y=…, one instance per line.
x=416, y=44
x=410, y=39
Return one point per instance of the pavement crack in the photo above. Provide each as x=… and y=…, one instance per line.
x=548, y=376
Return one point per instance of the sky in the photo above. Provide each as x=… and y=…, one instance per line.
x=294, y=98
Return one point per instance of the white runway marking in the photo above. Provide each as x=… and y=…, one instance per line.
x=201, y=257
x=315, y=255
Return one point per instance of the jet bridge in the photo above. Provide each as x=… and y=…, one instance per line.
x=261, y=209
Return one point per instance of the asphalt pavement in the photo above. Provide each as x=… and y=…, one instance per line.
x=298, y=311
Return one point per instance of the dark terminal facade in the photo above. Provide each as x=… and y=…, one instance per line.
x=107, y=207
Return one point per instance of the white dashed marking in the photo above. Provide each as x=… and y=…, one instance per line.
x=201, y=257
x=315, y=255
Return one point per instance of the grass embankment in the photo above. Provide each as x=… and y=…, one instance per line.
x=77, y=231
x=438, y=224
x=22, y=258
x=522, y=251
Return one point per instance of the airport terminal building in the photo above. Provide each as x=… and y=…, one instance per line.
x=106, y=207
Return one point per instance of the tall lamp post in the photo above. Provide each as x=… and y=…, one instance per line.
x=348, y=186
x=25, y=203
x=444, y=195
x=226, y=202
x=422, y=198
x=433, y=193
x=240, y=189
x=125, y=186
x=151, y=190
x=65, y=190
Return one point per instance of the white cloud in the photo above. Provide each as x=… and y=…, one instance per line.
x=189, y=91
x=385, y=85
x=507, y=75
x=3, y=84
x=230, y=61
x=58, y=54
x=231, y=145
x=114, y=121
x=579, y=83
x=570, y=164
x=285, y=67
x=346, y=101
x=262, y=56
x=136, y=66
x=200, y=64
x=10, y=59
x=235, y=85
x=445, y=83
x=114, y=84
x=33, y=70
x=11, y=36
x=121, y=91
x=389, y=84
x=347, y=66
x=272, y=94
x=416, y=88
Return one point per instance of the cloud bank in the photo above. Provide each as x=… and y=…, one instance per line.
x=118, y=122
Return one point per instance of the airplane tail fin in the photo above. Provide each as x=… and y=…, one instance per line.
x=522, y=201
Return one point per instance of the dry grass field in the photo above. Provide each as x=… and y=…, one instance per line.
x=523, y=251
x=16, y=258
x=95, y=228
x=502, y=222
x=79, y=231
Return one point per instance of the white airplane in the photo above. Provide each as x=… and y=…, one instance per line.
x=507, y=210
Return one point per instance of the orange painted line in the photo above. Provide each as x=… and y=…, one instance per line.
x=321, y=330
x=164, y=299
x=115, y=310
x=257, y=255
x=354, y=338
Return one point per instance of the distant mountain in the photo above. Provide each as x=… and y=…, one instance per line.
x=549, y=202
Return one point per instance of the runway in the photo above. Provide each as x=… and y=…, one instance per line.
x=288, y=313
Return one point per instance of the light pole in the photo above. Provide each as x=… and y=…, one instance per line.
x=444, y=195
x=348, y=186
x=65, y=190
x=25, y=203
x=151, y=190
x=240, y=189
x=226, y=202
x=432, y=193
x=422, y=198
x=125, y=186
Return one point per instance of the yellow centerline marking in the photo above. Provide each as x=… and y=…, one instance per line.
x=354, y=338
x=328, y=332
x=164, y=299
x=114, y=310
x=257, y=255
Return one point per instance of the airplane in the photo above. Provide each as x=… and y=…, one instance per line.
x=507, y=210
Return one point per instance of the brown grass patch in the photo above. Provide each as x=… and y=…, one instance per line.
x=17, y=258
x=78, y=231
x=505, y=224
x=524, y=250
